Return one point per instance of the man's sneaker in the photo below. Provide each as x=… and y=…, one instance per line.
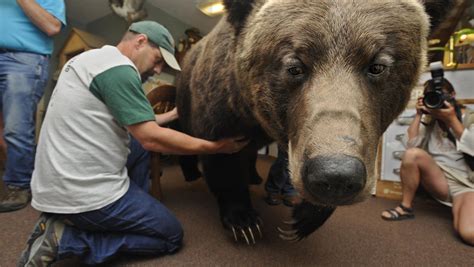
x=42, y=245
x=15, y=198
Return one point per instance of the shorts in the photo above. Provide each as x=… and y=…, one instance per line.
x=458, y=183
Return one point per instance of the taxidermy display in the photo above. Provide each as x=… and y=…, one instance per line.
x=323, y=78
x=130, y=10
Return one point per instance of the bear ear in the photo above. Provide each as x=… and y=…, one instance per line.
x=237, y=12
x=440, y=10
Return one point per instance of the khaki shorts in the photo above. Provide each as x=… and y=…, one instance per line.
x=457, y=183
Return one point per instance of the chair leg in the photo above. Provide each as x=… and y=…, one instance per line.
x=156, y=176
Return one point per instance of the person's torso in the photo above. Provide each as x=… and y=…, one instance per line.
x=444, y=150
x=82, y=150
x=20, y=34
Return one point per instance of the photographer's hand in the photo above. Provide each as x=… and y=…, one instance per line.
x=420, y=107
x=448, y=116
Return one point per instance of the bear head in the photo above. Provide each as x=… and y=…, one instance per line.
x=327, y=77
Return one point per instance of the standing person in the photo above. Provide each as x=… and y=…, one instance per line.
x=278, y=185
x=26, y=44
x=435, y=159
x=91, y=208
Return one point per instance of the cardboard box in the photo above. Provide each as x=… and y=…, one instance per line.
x=388, y=189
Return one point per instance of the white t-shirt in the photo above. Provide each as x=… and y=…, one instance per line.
x=83, y=144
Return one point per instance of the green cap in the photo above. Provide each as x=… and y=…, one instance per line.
x=161, y=37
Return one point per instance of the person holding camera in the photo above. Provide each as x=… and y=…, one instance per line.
x=440, y=146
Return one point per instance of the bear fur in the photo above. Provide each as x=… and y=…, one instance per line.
x=324, y=77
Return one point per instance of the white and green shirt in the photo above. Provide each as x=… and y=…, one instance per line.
x=83, y=145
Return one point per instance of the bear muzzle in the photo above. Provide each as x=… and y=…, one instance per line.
x=334, y=180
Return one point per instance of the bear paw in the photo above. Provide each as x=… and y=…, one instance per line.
x=244, y=224
x=307, y=218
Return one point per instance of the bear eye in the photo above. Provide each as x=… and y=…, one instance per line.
x=296, y=70
x=376, y=69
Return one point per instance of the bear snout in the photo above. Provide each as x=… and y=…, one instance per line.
x=334, y=180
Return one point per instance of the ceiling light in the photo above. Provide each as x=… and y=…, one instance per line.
x=211, y=7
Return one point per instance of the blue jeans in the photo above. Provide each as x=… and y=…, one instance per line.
x=23, y=77
x=278, y=180
x=136, y=223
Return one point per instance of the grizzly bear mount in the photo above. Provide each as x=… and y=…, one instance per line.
x=324, y=77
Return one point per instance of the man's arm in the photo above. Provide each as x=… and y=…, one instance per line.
x=46, y=22
x=155, y=138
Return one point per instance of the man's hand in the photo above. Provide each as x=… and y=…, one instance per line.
x=230, y=145
x=167, y=117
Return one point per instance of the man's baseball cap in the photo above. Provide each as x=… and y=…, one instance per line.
x=161, y=37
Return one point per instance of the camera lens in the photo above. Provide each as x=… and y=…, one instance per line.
x=433, y=100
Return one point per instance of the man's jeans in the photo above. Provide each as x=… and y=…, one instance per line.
x=23, y=77
x=278, y=180
x=136, y=223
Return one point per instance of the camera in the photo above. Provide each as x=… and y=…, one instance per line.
x=434, y=96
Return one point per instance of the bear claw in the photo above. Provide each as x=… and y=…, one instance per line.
x=288, y=235
x=246, y=233
x=306, y=219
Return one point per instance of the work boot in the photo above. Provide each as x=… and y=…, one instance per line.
x=15, y=198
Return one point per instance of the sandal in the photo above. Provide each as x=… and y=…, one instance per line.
x=397, y=216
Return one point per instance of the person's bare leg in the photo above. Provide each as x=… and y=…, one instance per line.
x=419, y=167
x=463, y=214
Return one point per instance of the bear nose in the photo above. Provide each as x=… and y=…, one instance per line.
x=334, y=180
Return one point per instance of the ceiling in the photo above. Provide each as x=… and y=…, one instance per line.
x=86, y=11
